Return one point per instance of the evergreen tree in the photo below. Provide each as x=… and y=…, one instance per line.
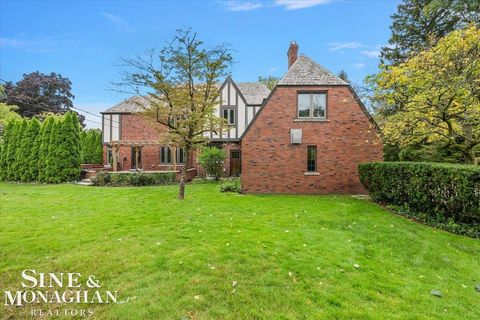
x=44, y=149
x=63, y=162
x=14, y=164
x=83, y=138
x=98, y=148
x=24, y=151
x=343, y=75
x=33, y=161
x=418, y=24
x=51, y=160
x=9, y=128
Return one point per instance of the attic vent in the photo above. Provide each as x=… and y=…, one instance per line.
x=296, y=136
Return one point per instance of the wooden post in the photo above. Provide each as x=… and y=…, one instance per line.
x=114, y=156
x=174, y=158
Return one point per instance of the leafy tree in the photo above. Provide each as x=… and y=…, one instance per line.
x=417, y=24
x=24, y=152
x=270, y=81
x=7, y=139
x=7, y=113
x=43, y=151
x=37, y=93
x=182, y=90
x=212, y=159
x=435, y=95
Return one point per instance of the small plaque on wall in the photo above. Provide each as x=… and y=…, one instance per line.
x=296, y=136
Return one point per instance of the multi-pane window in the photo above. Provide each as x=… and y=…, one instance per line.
x=312, y=105
x=311, y=158
x=181, y=155
x=229, y=116
x=165, y=155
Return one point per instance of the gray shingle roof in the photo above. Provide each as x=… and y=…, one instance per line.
x=132, y=104
x=305, y=71
x=253, y=92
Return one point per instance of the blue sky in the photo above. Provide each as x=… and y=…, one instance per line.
x=84, y=40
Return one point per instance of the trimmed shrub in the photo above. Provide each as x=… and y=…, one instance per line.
x=442, y=195
x=231, y=185
x=105, y=178
x=14, y=147
x=44, y=147
x=212, y=159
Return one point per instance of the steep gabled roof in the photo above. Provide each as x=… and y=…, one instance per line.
x=305, y=71
x=131, y=105
x=253, y=92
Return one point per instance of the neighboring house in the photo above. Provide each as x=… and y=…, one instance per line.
x=306, y=136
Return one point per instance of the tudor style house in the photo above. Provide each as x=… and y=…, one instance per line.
x=307, y=135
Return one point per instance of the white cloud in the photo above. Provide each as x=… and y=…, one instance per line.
x=272, y=69
x=51, y=43
x=334, y=46
x=239, y=5
x=242, y=5
x=371, y=53
x=359, y=65
x=299, y=4
x=118, y=22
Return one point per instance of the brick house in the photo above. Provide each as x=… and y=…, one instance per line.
x=305, y=136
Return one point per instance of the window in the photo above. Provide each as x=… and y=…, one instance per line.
x=235, y=154
x=229, y=115
x=165, y=155
x=311, y=158
x=312, y=105
x=109, y=155
x=181, y=155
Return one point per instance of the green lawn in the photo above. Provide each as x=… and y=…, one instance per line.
x=292, y=257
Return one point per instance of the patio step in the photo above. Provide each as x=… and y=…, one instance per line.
x=85, y=182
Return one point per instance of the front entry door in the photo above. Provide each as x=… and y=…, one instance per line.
x=136, y=158
x=235, y=163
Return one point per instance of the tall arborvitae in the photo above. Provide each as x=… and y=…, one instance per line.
x=83, y=140
x=11, y=150
x=74, y=130
x=14, y=169
x=33, y=161
x=8, y=131
x=24, y=151
x=98, y=148
x=44, y=148
x=52, y=163
x=63, y=162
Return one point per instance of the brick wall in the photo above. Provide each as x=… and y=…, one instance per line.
x=137, y=127
x=271, y=164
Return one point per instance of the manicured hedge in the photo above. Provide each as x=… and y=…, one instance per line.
x=104, y=178
x=431, y=192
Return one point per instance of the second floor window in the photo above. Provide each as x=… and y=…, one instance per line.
x=229, y=116
x=312, y=105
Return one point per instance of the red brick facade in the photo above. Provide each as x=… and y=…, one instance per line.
x=137, y=127
x=271, y=164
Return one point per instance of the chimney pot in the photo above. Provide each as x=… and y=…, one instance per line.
x=292, y=53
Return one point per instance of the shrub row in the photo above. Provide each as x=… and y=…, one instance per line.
x=443, y=195
x=104, y=178
x=41, y=152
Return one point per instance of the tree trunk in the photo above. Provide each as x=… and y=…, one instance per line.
x=470, y=157
x=183, y=176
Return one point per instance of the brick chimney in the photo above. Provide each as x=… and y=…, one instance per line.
x=292, y=53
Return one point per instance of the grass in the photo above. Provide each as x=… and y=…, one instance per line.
x=292, y=257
